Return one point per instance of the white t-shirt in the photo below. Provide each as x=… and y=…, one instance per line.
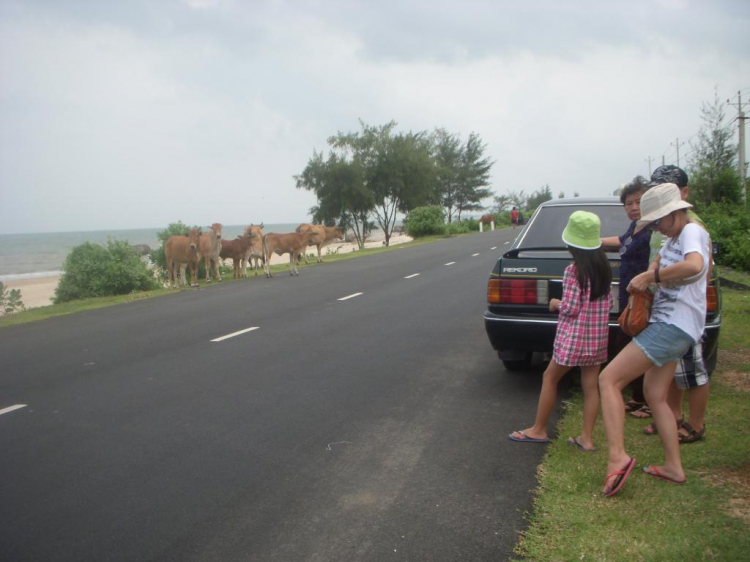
x=684, y=306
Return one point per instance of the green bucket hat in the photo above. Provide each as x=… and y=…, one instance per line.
x=583, y=231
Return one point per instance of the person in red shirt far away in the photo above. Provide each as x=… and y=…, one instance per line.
x=514, y=217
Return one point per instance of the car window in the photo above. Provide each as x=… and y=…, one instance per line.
x=548, y=224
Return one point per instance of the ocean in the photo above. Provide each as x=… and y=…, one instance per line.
x=29, y=256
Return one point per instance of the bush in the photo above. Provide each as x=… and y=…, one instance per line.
x=729, y=226
x=91, y=270
x=425, y=221
x=462, y=227
x=10, y=300
x=156, y=256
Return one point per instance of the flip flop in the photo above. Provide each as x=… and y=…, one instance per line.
x=574, y=441
x=622, y=475
x=654, y=471
x=526, y=438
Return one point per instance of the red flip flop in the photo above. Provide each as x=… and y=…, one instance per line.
x=654, y=471
x=622, y=475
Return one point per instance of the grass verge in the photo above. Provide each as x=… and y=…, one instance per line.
x=707, y=519
x=44, y=312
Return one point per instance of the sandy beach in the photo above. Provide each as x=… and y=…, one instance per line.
x=40, y=291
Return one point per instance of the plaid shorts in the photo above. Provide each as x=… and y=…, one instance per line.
x=691, y=371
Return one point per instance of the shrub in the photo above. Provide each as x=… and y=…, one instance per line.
x=729, y=226
x=92, y=270
x=425, y=221
x=462, y=227
x=10, y=300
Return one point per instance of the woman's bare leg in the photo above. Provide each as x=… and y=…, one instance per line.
x=630, y=363
x=657, y=383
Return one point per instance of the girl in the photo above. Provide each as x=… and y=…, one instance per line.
x=582, y=329
x=677, y=320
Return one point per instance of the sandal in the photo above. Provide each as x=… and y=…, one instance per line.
x=692, y=435
x=642, y=413
x=651, y=428
x=632, y=405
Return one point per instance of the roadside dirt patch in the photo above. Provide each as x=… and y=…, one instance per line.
x=734, y=378
x=739, y=482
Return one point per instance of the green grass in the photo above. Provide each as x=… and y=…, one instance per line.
x=44, y=312
x=650, y=519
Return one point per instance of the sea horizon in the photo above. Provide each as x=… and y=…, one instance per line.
x=42, y=254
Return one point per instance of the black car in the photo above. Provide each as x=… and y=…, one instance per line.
x=518, y=321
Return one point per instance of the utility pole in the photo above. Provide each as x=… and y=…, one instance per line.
x=649, y=165
x=662, y=159
x=677, y=145
x=741, y=166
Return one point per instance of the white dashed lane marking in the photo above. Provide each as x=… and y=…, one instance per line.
x=450, y=263
x=493, y=248
x=222, y=338
x=10, y=409
x=474, y=255
x=412, y=275
x=349, y=297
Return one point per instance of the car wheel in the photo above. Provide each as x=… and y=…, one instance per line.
x=518, y=364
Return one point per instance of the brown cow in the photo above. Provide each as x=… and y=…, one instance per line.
x=236, y=249
x=181, y=251
x=323, y=235
x=255, y=251
x=209, y=249
x=292, y=244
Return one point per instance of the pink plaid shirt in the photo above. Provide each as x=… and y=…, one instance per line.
x=582, y=328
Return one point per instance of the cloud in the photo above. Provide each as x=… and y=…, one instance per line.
x=138, y=114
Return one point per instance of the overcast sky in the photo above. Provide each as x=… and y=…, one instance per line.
x=138, y=113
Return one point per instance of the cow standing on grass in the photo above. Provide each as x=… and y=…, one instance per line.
x=322, y=236
x=292, y=244
x=236, y=250
x=181, y=251
x=255, y=251
x=210, y=248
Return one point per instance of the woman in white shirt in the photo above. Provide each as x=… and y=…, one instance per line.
x=676, y=323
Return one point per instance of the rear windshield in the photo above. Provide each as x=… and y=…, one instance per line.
x=546, y=227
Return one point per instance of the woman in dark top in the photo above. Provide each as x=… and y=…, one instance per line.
x=634, y=254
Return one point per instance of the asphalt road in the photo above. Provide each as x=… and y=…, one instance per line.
x=367, y=429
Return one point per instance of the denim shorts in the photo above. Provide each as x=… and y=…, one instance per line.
x=662, y=343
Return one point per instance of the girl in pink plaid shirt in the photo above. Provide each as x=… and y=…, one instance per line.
x=582, y=330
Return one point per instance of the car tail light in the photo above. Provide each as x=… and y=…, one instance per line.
x=517, y=291
x=712, y=299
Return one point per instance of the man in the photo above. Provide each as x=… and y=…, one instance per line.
x=514, y=217
x=691, y=374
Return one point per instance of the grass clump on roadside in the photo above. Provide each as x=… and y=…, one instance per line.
x=706, y=519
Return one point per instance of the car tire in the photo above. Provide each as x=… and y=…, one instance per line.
x=518, y=364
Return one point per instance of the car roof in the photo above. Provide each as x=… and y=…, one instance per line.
x=582, y=201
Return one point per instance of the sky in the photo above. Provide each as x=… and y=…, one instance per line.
x=139, y=113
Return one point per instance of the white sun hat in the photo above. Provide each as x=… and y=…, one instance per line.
x=658, y=202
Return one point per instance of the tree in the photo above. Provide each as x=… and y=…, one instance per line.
x=712, y=174
x=561, y=195
x=518, y=199
x=541, y=195
x=447, y=154
x=502, y=202
x=474, y=176
x=339, y=186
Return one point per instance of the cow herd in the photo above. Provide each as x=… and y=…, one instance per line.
x=251, y=247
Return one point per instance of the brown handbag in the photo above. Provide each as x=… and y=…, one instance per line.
x=634, y=319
